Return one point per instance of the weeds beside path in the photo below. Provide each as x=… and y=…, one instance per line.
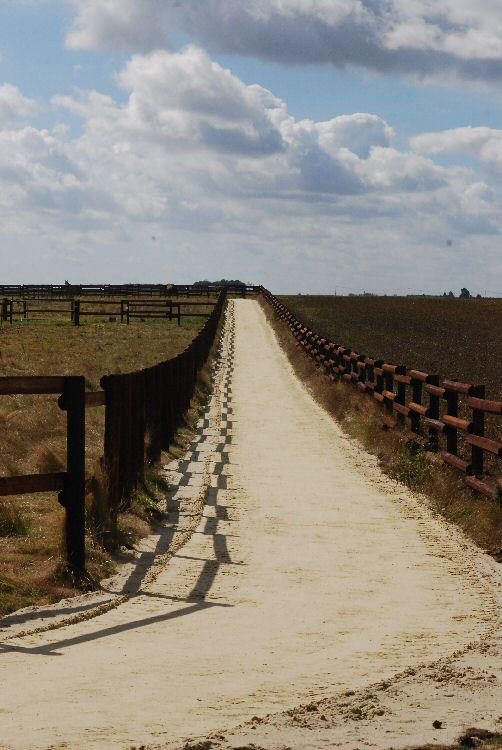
x=361, y=418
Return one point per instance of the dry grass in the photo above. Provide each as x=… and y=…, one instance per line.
x=361, y=417
x=33, y=435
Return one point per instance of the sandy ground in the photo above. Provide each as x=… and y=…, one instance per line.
x=309, y=583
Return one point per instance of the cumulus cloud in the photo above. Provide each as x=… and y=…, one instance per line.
x=414, y=37
x=482, y=142
x=224, y=176
x=13, y=105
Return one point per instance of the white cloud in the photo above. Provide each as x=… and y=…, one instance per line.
x=224, y=177
x=420, y=38
x=482, y=142
x=13, y=105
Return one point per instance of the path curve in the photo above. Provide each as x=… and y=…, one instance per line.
x=310, y=572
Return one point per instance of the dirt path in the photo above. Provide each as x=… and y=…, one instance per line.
x=309, y=573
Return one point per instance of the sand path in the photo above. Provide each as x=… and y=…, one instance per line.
x=309, y=572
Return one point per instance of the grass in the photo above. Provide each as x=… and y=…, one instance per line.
x=33, y=435
x=409, y=463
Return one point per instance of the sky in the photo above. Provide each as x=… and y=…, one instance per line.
x=313, y=146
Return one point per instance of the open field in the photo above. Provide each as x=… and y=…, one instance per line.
x=33, y=434
x=453, y=338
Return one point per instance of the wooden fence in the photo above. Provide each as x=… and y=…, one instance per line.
x=143, y=410
x=451, y=415
x=50, y=291
x=75, y=309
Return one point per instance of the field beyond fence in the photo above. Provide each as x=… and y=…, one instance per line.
x=456, y=417
x=142, y=411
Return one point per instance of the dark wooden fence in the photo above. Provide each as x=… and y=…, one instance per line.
x=75, y=309
x=450, y=415
x=28, y=291
x=143, y=410
x=41, y=291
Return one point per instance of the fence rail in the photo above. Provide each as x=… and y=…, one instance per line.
x=450, y=414
x=75, y=309
x=120, y=290
x=71, y=483
x=143, y=410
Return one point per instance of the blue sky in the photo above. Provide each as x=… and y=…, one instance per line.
x=303, y=144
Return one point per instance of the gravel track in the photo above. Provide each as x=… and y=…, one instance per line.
x=291, y=571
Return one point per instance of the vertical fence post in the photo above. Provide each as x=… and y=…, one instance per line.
x=113, y=428
x=478, y=422
x=416, y=397
x=4, y=308
x=388, y=377
x=401, y=393
x=362, y=368
x=451, y=432
x=433, y=412
x=25, y=310
x=73, y=496
x=76, y=312
x=179, y=313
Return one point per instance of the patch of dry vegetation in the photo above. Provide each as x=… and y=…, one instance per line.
x=409, y=463
x=33, y=440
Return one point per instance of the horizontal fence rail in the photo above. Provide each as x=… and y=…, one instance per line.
x=76, y=309
x=450, y=415
x=42, y=291
x=143, y=410
x=71, y=483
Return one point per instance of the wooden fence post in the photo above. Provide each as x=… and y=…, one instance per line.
x=76, y=312
x=416, y=397
x=73, y=496
x=388, y=377
x=113, y=424
x=400, y=399
x=451, y=432
x=433, y=412
x=478, y=428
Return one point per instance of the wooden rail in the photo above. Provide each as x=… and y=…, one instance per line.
x=413, y=400
x=127, y=309
x=71, y=483
x=52, y=291
x=142, y=413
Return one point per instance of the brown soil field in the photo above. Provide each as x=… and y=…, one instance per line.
x=453, y=338
x=33, y=435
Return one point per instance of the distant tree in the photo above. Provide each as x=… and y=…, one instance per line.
x=464, y=293
x=478, y=296
x=221, y=282
x=444, y=294
x=450, y=294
